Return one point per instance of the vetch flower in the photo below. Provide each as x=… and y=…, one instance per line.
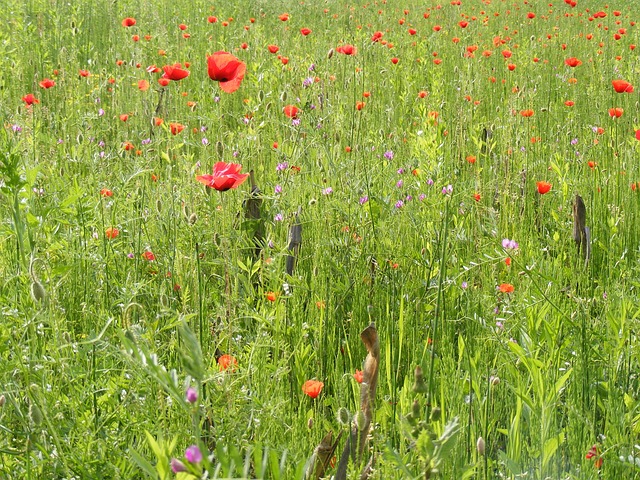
x=509, y=244
x=192, y=395
x=225, y=176
x=226, y=69
x=312, y=388
x=177, y=466
x=193, y=454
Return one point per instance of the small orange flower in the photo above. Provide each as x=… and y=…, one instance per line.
x=312, y=388
x=359, y=376
x=176, y=128
x=616, y=112
x=506, y=288
x=527, y=113
x=543, y=187
x=271, y=296
x=291, y=111
x=360, y=105
x=149, y=256
x=105, y=192
x=111, y=233
x=227, y=362
x=143, y=85
x=476, y=197
x=573, y=62
x=471, y=159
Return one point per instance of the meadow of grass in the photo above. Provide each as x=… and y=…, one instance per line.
x=140, y=325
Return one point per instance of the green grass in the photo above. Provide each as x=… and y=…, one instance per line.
x=94, y=373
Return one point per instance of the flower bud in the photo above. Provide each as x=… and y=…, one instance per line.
x=436, y=413
x=330, y=53
x=419, y=386
x=480, y=446
x=2, y=401
x=37, y=291
x=344, y=417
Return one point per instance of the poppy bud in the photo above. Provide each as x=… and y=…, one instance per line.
x=436, y=413
x=310, y=423
x=419, y=386
x=360, y=421
x=193, y=218
x=2, y=401
x=344, y=417
x=415, y=409
x=330, y=53
x=35, y=415
x=219, y=149
x=37, y=291
x=283, y=97
x=480, y=446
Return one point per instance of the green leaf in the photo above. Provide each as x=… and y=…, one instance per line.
x=143, y=464
x=550, y=447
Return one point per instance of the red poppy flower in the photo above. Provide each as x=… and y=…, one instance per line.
x=128, y=22
x=30, y=99
x=347, y=49
x=284, y=17
x=394, y=60
x=174, y=72
x=182, y=26
x=176, y=128
x=622, y=86
x=271, y=296
x=511, y=67
x=463, y=24
x=111, y=233
x=212, y=19
x=226, y=69
x=412, y=31
x=105, y=192
x=143, y=85
x=543, y=187
x=305, y=31
x=149, y=256
x=376, y=36
x=476, y=197
x=227, y=362
x=273, y=48
x=225, y=176
x=359, y=376
x=527, y=113
x=124, y=117
x=573, y=62
x=637, y=134
x=291, y=111
x=569, y=103
x=506, y=288
x=360, y=105
x=312, y=388
x=507, y=53
x=47, y=83
x=84, y=73
x=616, y=112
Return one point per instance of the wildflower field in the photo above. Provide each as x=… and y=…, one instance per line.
x=318, y=239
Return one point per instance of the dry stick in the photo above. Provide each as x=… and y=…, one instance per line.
x=295, y=240
x=369, y=337
x=157, y=112
x=322, y=456
x=252, y=208
x=581, y=232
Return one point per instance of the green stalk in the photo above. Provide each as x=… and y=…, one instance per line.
x=444, y=231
